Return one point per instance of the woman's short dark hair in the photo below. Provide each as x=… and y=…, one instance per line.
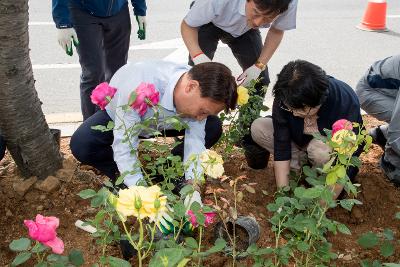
x=269, y=7
x=301, y=83
x=216, y=82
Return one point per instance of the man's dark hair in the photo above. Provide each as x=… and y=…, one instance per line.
x=272, y=7
x=301, y=83
x=216, y=82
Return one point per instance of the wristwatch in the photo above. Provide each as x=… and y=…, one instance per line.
x=260, y=65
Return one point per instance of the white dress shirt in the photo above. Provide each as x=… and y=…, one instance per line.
x=164, y=75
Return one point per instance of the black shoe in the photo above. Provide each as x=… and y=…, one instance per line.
x=256, y=156
x=391, y=172
x=378, y=137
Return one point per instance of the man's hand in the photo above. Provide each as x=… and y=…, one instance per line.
x=248, y=75
x=200, y=58
x=141, y=21
x=67, y=37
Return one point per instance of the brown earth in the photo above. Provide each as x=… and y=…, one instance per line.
x=379, y=197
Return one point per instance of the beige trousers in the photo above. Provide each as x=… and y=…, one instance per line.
x=317, y=152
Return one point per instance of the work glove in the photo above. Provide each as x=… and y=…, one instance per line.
x=66, y=37
x=200, y=58
x=141, y=21
x=165, y=223
x=248, y=75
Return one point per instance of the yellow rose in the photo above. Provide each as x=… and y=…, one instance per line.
x=340, y=136
x=243, y=95
x=147, y=200
x=212, y=163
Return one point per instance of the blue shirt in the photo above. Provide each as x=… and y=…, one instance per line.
x=230, y=16
x=98, y=8
x=164, y=75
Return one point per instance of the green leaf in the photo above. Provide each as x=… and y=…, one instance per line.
x=42, y=264
x=391, y=264
x=341, y=172
x=117, y=262
x=387, y=249
x=76, y=257
x=21, y=244
x=168, y=257
x=183, y=262
x=191, y=243
x=388, y=234
x=347, y=204
x=219, y=245
x=87, y=193
x=303, y=246
x=179, y=210
x=312, y=193
x=309, y=172
x=368, y=240
x=38, y=248
x=397, y=216
x=343, y=229
x=21, y=258
x=331, y=178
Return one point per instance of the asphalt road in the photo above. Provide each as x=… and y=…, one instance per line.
x=326, y=35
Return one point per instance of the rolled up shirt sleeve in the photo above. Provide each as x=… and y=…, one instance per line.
x=201, y=13
x=194, y=145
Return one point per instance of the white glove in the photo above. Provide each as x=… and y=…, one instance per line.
x=141, y=21
x=248, y=75
x=191, y=198
x=201, y=58
x=66, y=37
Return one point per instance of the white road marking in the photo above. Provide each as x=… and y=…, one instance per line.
x=393, y=16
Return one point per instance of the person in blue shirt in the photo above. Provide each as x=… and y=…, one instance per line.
x=100, y=30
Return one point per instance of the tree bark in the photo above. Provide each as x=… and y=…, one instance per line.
x=22, y=122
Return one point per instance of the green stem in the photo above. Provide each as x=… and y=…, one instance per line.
x=199, y=249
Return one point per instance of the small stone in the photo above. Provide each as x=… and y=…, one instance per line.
x=42, y=197
x=49, y=184
x=69, y=163
x=347, y=257
x=356, y=213
x=9, y=213
x=65, y=175
x=39, y=208
x=21, y=187
x=340, y=256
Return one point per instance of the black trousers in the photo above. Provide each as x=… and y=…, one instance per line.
x=103, y=49
x=245, y=48
x=93, y=147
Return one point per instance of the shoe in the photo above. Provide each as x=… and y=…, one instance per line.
x=391, y=172
x=256, y=156
x=378, y=137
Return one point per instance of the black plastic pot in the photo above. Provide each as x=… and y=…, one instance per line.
x=247, y=232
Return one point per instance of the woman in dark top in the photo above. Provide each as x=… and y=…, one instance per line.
x=306, y=101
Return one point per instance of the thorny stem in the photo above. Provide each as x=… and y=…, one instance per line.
x=199, y=249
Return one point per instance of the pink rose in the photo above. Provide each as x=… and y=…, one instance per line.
x=43, y=229
x=100, y=94
x=209, y=218
x=340, y=125
x=146, y=96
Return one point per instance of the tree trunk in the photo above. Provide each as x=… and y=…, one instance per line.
x=22, y=122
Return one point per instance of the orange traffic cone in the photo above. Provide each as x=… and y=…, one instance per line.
x=374, y=17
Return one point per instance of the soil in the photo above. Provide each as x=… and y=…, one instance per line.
x=380, y=201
